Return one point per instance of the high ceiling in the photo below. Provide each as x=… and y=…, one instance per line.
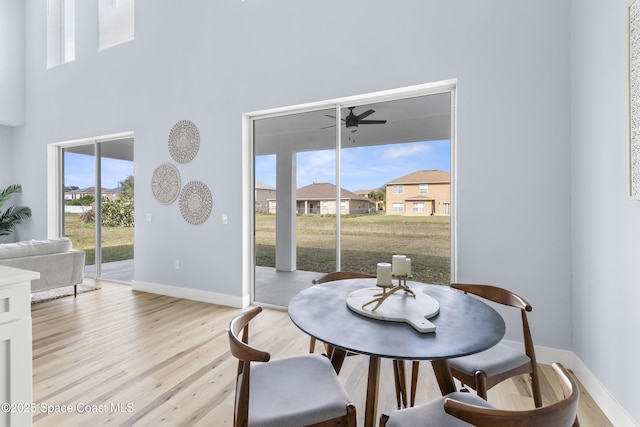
x=423, y=118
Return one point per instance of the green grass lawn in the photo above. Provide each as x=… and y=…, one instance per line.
x=365, y=241
x=117, y=242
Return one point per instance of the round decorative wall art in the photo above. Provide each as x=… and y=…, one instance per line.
x=184, y=141
x=165, y=183
x=195, y=202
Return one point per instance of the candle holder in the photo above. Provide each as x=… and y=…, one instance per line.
x=388, y=290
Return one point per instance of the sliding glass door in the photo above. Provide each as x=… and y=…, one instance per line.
x=99, y=206
x=350, y=186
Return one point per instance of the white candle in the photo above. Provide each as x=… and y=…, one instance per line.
x=408, y=267
x=399, y=265
x=384, y=274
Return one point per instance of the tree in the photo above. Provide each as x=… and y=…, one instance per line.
x=13, y=215
x=378, y=195
x=127, y=187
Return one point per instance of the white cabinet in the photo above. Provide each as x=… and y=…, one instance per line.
x=15, y=347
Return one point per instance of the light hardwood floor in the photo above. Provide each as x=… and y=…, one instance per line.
x=131, y=358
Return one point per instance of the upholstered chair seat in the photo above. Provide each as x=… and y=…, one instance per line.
x=296, y=391
x=432, y=413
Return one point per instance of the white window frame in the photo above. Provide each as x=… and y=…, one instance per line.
x=398, y=188
x=116, y=22
x=397, y=207
x=418, y=207
x=61, y=40
x=424, y=188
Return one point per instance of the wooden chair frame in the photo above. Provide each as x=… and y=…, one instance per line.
x=562, y=413
x=479, y=381
x=240, y=348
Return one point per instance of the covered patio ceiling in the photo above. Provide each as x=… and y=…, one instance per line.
x=421, y=118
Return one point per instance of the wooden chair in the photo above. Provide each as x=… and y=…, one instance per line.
x=398, y=365
x=294, y=391
x=465, y=409
x=483, y=370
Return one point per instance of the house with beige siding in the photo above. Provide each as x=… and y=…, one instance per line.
x=421, y=193
x=320, y=198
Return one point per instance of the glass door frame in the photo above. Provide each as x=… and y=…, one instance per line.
x=55, y=172
x=248, y=175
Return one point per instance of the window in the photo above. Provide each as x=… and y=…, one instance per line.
x=398, y=189
x=418, y=207
x=424, y=188
x=61, y=38
x=398, y=207
x=446, y=209
x=116, y=22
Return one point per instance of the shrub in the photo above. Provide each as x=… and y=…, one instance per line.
x=118, y=213
x=115, y=213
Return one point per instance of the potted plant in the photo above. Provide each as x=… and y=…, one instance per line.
x=13, y=215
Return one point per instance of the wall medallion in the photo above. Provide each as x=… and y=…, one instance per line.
x=184, y=141
x=195, y=202
x=165, y=183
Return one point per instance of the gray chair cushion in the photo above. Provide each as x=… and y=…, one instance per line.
x=294, y=392
x=432, y=414
x=497, y=359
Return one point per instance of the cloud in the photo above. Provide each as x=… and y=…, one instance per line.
x=405, y=150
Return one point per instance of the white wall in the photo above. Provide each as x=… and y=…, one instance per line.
x=606, y=224
x=11, y=62
x=6, y=169
x=6, y=151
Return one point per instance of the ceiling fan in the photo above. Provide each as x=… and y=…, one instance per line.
x=352, y=121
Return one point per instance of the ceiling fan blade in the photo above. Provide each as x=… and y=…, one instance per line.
x=365, y=114
x=372, y=122
x=327, y=127
x=330, y=116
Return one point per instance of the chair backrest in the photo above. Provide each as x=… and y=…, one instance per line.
x=505, y=297
x=342, y=275
x=240, y=349
x=562, y=413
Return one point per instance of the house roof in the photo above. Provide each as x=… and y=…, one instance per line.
x=263, y=186
x=433, y=176
x=324, y=191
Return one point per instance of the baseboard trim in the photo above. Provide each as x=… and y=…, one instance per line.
x=610, y=406
x=191, y=294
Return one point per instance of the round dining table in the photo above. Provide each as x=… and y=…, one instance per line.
x=464, y=325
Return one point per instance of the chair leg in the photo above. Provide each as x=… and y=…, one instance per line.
x=351, y=415
x=535, y=387
x=312, y=345
x=383, y=420
x=398, y=383
x=415, y=367
x=481, y=384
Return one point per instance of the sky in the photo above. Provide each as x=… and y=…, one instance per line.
x=363, y=168
x=79, y=171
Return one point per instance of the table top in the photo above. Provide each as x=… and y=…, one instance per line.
x=464, y=325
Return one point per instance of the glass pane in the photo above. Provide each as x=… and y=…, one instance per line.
x=293, y=152
x=117, y=232
x=79, y=201
x=396, y=176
